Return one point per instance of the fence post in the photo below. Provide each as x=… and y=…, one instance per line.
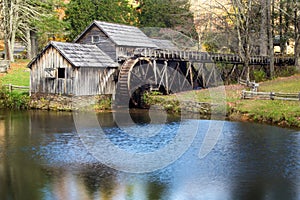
x=299, y=96
x=272, y=95
x=10, y=88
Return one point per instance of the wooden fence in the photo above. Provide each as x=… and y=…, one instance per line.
x=254, y=86
x=11, y=87
x=271, y=95
x=4, y=65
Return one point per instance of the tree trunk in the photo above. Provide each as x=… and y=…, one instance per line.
x=263, y=47
x=11, y=18
x=270, y=34
x=281, y=37
x=34, y=43
x=296, y=35
x=28, y=45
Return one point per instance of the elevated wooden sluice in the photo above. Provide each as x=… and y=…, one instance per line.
x=204, y=57
x=173, y=70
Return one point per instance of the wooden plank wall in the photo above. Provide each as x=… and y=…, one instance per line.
x=105, y=43
x=39, y=81
x=77, y=81
x=95, y=81
x=125, y=52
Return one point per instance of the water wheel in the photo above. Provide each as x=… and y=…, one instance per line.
x=140, y=75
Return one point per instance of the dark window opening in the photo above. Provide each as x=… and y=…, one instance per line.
x=95, y=39
x=61, y=72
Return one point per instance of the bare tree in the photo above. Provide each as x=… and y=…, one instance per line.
x=10, y=11
x=18, y=17
x=243, y=16
x=213, y=21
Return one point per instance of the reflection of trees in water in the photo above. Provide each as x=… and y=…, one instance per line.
x=98, y=178
x=264, y=166
x=156, y=190
x=98, y=181
x=110, y=184
x=20, y=176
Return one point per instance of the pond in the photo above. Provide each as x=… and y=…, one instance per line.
x=51, y=155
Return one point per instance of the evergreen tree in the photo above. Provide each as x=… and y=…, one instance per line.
x=173, y=14
x=80, y=13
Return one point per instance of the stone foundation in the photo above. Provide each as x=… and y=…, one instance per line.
x=66, y=103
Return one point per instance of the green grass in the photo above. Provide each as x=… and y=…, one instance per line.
x=278, y=112
x=18, y=74
x=288, y=84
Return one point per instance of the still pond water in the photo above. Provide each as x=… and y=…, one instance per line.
x=43, y=157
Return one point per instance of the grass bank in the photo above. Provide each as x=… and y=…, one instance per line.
x=276, y=112
x=17, y=74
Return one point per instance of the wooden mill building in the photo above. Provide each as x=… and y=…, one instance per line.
x=116, y=40
x=72, y=69
x=90, y=65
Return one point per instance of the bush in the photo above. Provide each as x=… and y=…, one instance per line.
x=13, y=100
x=285, y=71
x=259, y=75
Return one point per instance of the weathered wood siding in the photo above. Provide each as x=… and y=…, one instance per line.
x=94, y=81
x=105, y=44
x=40, y=82
x=125, y=51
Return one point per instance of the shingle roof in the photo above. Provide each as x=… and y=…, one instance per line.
x=81, y=55
x=165, y=44
x=123, y=35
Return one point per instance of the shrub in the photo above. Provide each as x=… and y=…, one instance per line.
x=13, y=100
x=259, y=75
x=286, y=71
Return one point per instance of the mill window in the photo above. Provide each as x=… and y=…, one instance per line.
x=95, y=39
x=61, y=73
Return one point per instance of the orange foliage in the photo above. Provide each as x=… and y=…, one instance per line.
x=1, y=45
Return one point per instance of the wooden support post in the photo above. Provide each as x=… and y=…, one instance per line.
x=191, y=74
x=203, y=76
x=166, y=76
x=155, y=71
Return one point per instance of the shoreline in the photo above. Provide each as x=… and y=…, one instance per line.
x=172, y=107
